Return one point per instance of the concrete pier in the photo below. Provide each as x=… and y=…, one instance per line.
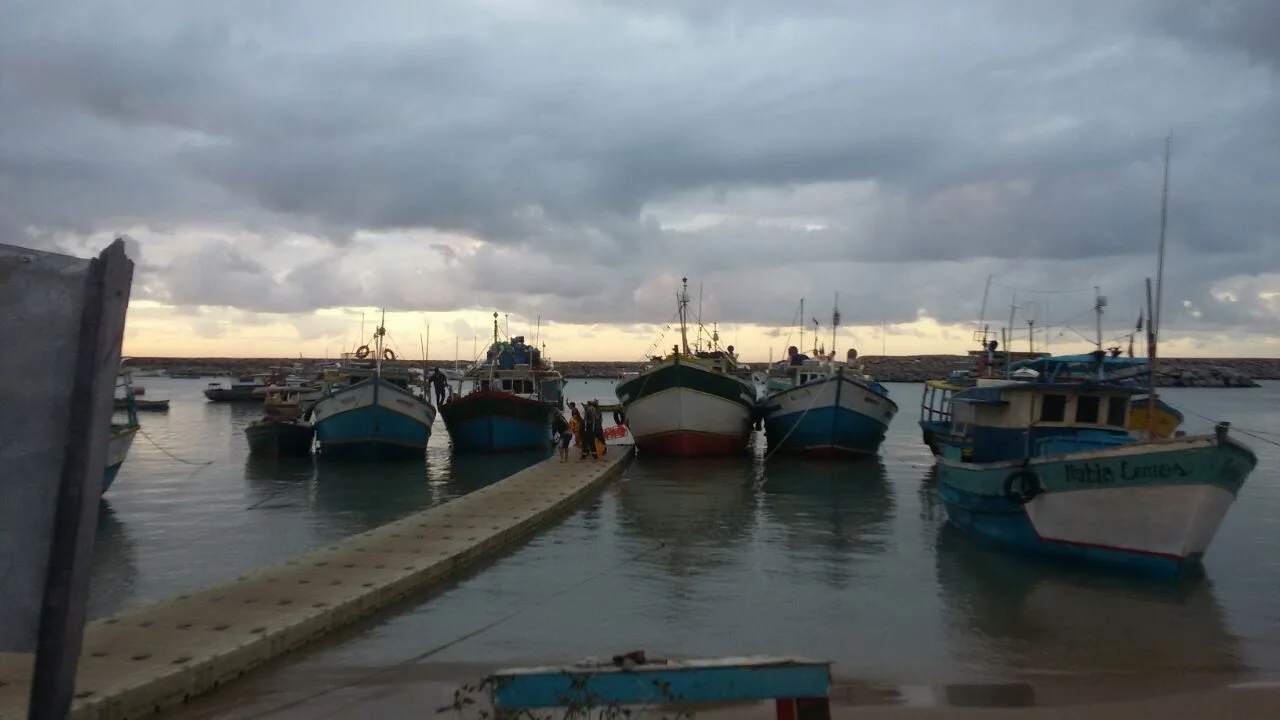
x=141, y=661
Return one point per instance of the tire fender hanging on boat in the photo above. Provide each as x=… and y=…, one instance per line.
x=362, y=352
x=1022, y=486
x=388, y=354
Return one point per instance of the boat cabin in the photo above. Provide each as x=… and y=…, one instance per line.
x=358, y=372
x=1013, y=420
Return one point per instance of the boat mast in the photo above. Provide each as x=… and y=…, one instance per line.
x=698, y=342
x=1153, y=311
x=1100, y=302
x=682, y=300
x=801, y=346
x=494, y=360
x=377, y=341
x=835, y=323
x=982, y=316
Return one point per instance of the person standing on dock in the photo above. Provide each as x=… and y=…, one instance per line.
x=590, y=427
x=575, y=423
x=438, y=383
x=598, y=440
x=560, y=432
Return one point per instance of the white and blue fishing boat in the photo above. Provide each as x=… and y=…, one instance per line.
x=122, y=434
x=1051, y=468
x=372, y=412
x=819, y=407
x=514, y=393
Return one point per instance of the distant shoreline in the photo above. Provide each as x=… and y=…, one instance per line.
x=1174, y=372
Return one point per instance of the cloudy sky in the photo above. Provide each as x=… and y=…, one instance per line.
x=283, y=167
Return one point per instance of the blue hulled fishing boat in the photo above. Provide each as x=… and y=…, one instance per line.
x=1052, y=468
x=513, y=393
x=372, y=412
x=822, y=408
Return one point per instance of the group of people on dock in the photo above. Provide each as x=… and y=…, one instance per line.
x=584, y=427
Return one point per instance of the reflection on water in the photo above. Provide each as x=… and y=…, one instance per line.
x=1040, y=618
x=698, y=510
x=832, y=514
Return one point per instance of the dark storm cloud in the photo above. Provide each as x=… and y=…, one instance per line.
x=896, y=153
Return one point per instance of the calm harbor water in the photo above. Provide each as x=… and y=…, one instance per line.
x=848, y=562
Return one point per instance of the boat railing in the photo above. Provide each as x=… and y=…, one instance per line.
x=935, y=405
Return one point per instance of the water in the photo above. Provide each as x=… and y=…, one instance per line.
x=847, y=562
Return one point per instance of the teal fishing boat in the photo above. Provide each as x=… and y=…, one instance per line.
x=1051, y=468
x=372, y=412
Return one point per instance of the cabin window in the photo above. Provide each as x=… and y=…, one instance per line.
x=1053, y=408
x=1118, y=411
x=1087, y=407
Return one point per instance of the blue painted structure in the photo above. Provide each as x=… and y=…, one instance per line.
x=786, y=680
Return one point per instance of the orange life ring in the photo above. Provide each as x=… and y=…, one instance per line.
x=362, y=352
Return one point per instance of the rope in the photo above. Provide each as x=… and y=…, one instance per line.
x=144, y=434
x=1255, y=434
x=461, y=638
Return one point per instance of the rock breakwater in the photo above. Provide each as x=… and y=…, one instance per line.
x=1173, y=372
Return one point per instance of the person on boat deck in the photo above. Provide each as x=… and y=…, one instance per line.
x=560, y=433
x=438, y=383
x=795, y=355
x=575, y=423
x=732, y=355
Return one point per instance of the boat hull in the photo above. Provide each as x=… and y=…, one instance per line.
x=682, y=409
x=373, y=420
x=1149, y=508
x=280, y=439
x=495, y=421
x=117, y=450
x=832, y=418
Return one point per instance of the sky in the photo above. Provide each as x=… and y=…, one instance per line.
x=281, y=170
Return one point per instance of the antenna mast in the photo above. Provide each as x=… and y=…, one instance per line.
x=682, y=301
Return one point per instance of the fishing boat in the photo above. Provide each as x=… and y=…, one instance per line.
x=1053, y=468
x=244, y=389
x=121, y=436
x=823, y=408
x=691, y=402
x=284, y=430
x=371, y=412
x=513, y=393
